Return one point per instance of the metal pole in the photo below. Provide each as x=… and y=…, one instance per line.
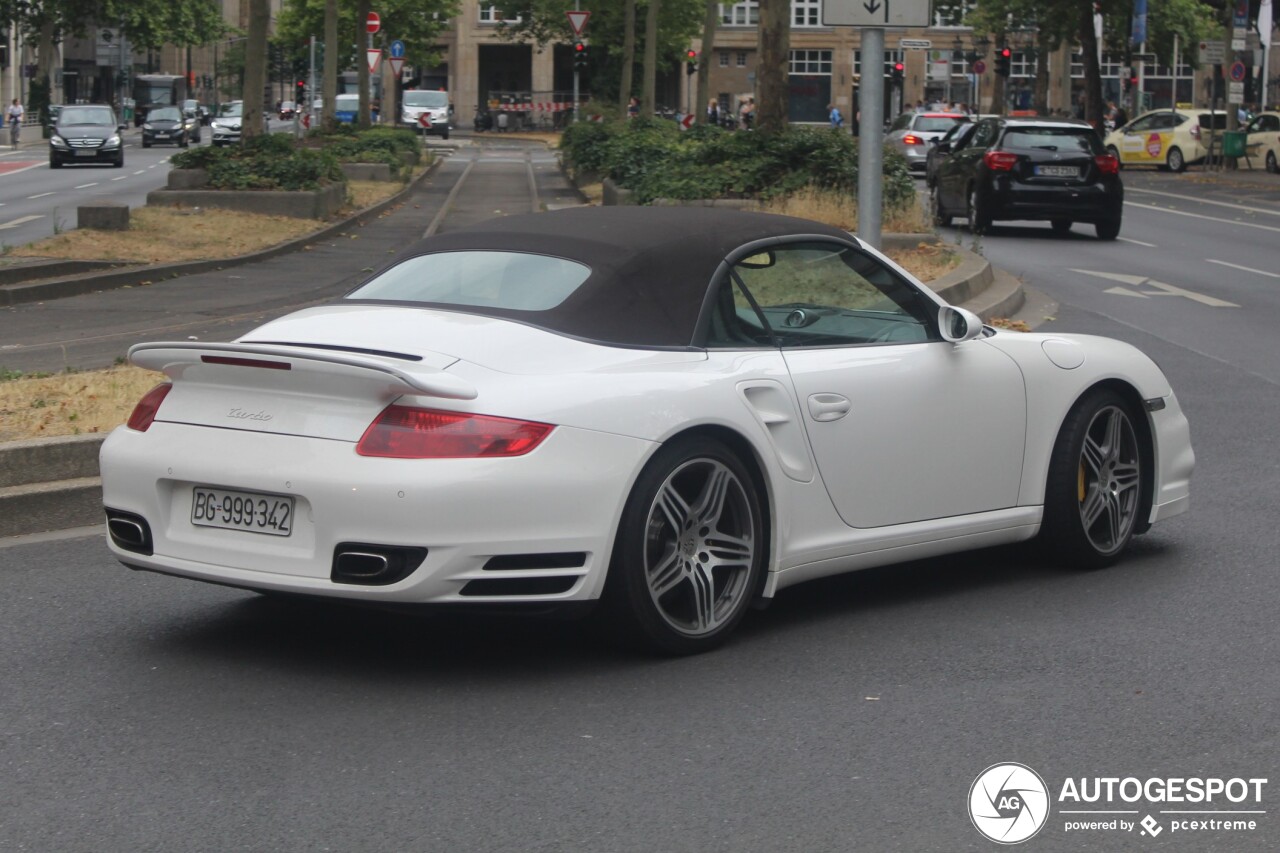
x=871, y=136
x=576, y=8
x=311, y=84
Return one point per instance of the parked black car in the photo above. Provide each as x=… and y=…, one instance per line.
x=168, y=125
x=86, y=133
x=1031, y=168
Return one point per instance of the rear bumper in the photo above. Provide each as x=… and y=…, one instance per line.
x=565, y=497
x=1007, y=199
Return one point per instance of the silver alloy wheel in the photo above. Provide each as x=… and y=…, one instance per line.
x=1110, y=476
x=699, y=547
x=1176, y=163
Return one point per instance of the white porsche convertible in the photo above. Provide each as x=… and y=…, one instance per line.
x=670, y=413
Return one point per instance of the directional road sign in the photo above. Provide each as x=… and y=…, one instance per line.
x=876, y=13
x=396, y=49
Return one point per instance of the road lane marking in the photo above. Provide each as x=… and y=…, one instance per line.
x=21, y=220
x=1238, y=267
x=139, y=172
x=1136, y=242
x=121, y=178
x=1159, y=288
x=85, y=186
x=1235, y=223
x=38, y=195
x=1206, y=201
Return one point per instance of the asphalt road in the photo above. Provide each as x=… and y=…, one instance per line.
x=143, y=712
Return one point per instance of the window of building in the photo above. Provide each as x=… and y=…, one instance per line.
x=1110, y=66
x=724, y=59
x=891, y=58
x=745, y=14
x=806, y=13
x=810, y=62
x=1022, y=64
x=490, y=14
x=742, y=59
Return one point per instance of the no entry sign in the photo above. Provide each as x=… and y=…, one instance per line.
x=373, y=23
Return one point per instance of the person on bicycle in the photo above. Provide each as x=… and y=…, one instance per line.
x=15, y=121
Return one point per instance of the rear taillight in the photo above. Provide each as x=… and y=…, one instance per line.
x=1195, y=132
x=912, y=139
x=404, y=432
x=1107, y=164
x=1000, y=161
x=145, y=412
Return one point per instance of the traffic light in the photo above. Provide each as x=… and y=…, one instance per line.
x=898, y=69
x=1004, y=57
x=579, y=56
x=691, y=62
x=300, y=93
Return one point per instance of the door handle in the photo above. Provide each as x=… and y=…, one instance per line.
x=828, y=407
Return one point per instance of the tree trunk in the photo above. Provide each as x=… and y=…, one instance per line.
x=628, y=54
x=329, y=84
x=699, y=105
x=362, y=63
x=649, y=103
x=44, y=67
x=1092, y=74
x=255, y=69
x=774, y=48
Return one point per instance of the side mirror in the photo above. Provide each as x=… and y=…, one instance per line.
x=120, y=128
x=944, y=147
x=958, y=324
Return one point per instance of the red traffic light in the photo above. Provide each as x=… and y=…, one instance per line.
x=692, y=54
x=579, y=47
x=898, y=66
x=1006, y=52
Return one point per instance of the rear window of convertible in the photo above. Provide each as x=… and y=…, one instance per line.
x=512, y=281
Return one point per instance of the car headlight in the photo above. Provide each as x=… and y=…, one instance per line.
x=58, y=141
x=146, y=126
x=111, y=142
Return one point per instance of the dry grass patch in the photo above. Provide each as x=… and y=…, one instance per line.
x=159, y=235
x=841, y=210
x=925, y=261
x=71, y=403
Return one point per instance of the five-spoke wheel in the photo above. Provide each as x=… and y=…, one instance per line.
x=690, y=549
x=1095, y=483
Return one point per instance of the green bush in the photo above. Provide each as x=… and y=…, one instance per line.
x=377, y=145
x=655, y=159
x=269, y=162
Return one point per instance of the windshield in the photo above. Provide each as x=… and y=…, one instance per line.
x=1073, y=140
x=87, y=115
x=166, y=114
x=230, y=110
x=512, y=281
x=346, y=103
x=936, y=123
x=426, y=99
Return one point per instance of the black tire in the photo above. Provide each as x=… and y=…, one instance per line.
x=1175, y=161
x=55, y=163
x=690, y=551
x=146, y=144
x=1271, y=163
x=1115, y=152
x=1060, y=226
x=119, y=163
x=979, y=218
x=445, y=135
x=1107, y=229
x=940, y=216
x=1097, y=469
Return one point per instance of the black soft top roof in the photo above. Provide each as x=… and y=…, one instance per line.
x=650, y=266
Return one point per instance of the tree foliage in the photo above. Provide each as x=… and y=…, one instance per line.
x=146, y=23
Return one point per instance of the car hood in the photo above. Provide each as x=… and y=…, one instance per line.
x=164, y=123
x=79, y=130
x=432, y=335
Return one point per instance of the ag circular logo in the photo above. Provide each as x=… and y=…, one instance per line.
x=1008, y=803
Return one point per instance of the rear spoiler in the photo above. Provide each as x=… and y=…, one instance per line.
x=172, y=357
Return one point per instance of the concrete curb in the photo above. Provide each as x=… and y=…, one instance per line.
x=75, y=285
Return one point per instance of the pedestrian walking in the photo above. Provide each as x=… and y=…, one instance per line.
x=747, y=113
x=713, y=112
x=15, y=121
x=837, y=120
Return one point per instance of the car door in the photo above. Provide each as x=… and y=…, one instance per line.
x=955, y=172
x=1133, y=144
x=1263, y=136
x=903, y=425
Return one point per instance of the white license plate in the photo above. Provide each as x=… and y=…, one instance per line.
x=252, y=512
x=87, y=152
x=1058, y=171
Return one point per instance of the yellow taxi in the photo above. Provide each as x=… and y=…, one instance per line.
x=1171, y=138
x=1263, y=141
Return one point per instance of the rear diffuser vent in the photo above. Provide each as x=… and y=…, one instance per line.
x=520, y=586
x=518, y=562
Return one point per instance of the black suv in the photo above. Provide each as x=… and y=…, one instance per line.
x=1031, y=168
x=86, y=133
